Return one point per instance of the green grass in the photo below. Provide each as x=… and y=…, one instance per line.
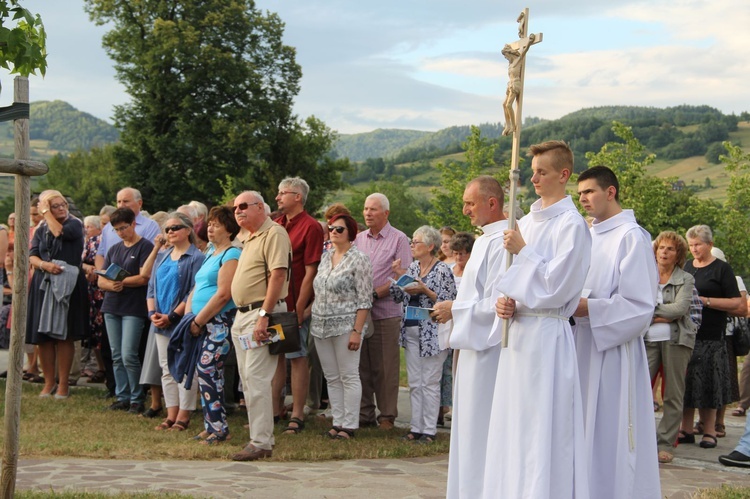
x=725, y=492
x=81, y=427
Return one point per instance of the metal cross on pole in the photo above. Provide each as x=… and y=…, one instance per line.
x=516, y=54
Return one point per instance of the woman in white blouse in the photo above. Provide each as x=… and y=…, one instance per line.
x=343, y=297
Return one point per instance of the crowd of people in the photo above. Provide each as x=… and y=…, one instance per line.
x=173, y=304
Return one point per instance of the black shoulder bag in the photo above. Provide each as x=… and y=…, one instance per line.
x=288, y=320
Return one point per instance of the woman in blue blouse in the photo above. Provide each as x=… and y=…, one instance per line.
x=211, y=302
x=343, y=297
x=433, y=283
x=172, y=279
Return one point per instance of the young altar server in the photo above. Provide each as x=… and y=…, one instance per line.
x=536, y=445
x=473, y=313
x=611, y=319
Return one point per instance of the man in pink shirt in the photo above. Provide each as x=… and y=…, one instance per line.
x=380, y=360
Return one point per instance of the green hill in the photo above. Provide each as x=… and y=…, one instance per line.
x=57, y=127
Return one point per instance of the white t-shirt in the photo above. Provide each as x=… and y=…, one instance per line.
x=659, y=331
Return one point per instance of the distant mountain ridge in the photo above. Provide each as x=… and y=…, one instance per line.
x=57, y=127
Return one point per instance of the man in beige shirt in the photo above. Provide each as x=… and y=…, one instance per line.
x=259, y=287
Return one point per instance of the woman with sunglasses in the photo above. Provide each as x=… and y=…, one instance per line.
x=343, y=297
x=55, y=256
x=433, y=282
x=211, y=302
x=172, y=278
x=124, y=309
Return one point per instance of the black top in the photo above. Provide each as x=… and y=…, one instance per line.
x=129, y=301
x=715, y=280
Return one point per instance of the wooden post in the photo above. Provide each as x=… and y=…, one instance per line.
x=20, y=288
x=516, y=55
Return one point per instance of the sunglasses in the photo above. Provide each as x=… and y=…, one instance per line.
x=174, y=228
x=244, y=206
x=339, y=229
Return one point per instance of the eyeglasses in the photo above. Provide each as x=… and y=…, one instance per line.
x=56, y=206
x=413, y=242
x=174, y=228
x=281, y=193
x=122, y=228
x=338, y=228
x=244, y=206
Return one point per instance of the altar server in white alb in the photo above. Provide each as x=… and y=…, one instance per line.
x=536, y=446
x=611, y=319
x=473, y=313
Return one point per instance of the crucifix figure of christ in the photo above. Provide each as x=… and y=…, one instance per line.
x=516, y=54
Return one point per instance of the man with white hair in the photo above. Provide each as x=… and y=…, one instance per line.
x=144, y=226
x=380, y=359
x=259, y=287
x=306, y=235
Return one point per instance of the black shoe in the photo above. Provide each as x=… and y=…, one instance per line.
x=686, y=438
x=120, y=405
x=108, y=395
x=151, y=413
x=136, y=408
x=735, y=458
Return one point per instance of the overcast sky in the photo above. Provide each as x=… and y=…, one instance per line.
x=429, y=64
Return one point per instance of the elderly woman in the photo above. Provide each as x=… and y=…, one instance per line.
x=434, y=282
x=343, y=297
x=172, y=279
x=707, y=380
x=670, y=339
x=92, y=226
x=124, y=310
x=55, y=255
x=211, y=302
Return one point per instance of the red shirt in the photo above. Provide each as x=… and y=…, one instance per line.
x=306, y=235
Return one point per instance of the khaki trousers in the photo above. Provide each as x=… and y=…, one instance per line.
x=379, y=366
x=675, y=359
x=745, y=384
x=256, y=368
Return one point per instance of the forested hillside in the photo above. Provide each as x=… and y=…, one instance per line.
x=57, y=127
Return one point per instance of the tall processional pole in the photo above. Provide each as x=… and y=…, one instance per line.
x=516, y=54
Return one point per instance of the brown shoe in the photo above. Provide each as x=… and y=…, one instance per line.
x=252, y=453
x=386, y=424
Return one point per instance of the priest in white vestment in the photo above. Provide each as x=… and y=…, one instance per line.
x=473, y=314
x=536, y=446
x=612, y=317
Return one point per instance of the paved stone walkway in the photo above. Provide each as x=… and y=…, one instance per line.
x=693, y=468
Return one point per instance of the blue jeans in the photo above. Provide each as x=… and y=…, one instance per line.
x=124, y=333
x=744, y=445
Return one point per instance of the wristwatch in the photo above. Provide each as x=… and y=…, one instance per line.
x=262, y=313
x=374, y=295
x=44, y=212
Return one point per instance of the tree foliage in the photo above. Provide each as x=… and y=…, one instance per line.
x=731, y=235
x=406, y=208
x=213, y=87
x=89, y=177
x=447, y=203
x=23, y=40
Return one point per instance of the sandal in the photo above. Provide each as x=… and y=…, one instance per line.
x=202, y=435
x=345, y=434
x=293, y=430
x=164, y=425
x=180, y=426
x=214, y=439
x=98, y=377
x=685, y=438
x=698, y=429
x=332, y=433
x=426, y=439
x=665, y=457
x=656, y=406
x=721, y=430
x=708, y=445
x=739, y=412
x=411, y=437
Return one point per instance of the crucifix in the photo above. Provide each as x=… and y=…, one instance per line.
x=516, y=54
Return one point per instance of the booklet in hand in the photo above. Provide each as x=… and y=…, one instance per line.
x=418, y=313
x=404, y=281
x=114, y=273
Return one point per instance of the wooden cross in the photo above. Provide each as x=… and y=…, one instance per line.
x=516, y=54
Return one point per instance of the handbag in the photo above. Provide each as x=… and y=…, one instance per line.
x=290, y=327
x=740, y=336
x=288, y=320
